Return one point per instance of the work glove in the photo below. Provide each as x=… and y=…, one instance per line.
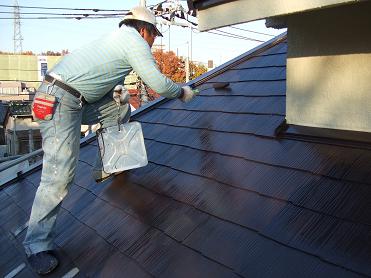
x=121, y=95
x=188, y=93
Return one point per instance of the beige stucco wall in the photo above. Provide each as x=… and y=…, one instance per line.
x=329, y=68
x=248, y=10
x=23, y=68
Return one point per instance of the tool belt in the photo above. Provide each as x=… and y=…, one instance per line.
x=64, y=86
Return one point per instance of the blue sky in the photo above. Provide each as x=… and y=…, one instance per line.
x=55, y=35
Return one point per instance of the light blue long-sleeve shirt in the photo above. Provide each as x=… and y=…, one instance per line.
x=98, y=67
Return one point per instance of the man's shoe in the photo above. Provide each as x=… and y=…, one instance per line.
x=43, y=262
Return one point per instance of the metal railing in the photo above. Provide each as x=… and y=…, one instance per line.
x=13, y=169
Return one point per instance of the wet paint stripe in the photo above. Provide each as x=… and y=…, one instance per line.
x=15, y=271
x=72, y=273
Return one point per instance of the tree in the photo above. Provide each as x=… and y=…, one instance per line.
x=28, y=52
x=170, y=65
x=174, y=67
x=196, y=70
x=51, y=53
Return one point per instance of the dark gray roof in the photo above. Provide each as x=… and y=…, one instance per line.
x=222, y=196
x=20, y=108
x=3, y=111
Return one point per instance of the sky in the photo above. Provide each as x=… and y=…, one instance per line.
x=41, y=35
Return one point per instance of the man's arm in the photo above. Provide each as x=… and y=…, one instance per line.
x=140, y=58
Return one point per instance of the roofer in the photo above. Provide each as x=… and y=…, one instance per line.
x=78, y=90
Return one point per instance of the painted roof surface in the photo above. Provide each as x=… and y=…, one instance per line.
x=222, y=196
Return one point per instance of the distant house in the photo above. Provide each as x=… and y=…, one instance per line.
x=15, y=100
x=15, y=91
x=22, y=134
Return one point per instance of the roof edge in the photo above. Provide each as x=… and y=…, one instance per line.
x=84, y=141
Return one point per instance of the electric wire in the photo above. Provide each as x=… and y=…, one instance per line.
x=69, y=9
x=65, y=14
x=233, y=36
x=115, y=15
x=66, y=17
x=255, y=32
x=238, y=36
x=228, y=34
x=96, y=15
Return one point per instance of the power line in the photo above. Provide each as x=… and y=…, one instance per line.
x=237, y=36
x=255, y=32
x=233, y=36
x=70, y=9
x=75, y=14
x=65, y=17
x=227, y=34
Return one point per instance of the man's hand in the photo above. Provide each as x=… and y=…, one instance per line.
x=188, y=94
x=120, y=95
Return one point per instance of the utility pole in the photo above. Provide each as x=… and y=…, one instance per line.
x=190, y=28
x=169, y=37
x=187, y=64
x=17, y=36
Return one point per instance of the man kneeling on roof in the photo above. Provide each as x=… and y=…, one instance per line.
x=79, y=90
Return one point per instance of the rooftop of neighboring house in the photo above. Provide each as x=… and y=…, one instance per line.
x=3, y=112
x=20, y=108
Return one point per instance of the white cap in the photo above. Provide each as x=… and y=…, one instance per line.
x=143, y=14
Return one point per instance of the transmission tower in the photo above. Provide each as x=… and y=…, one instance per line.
x=17, y=37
